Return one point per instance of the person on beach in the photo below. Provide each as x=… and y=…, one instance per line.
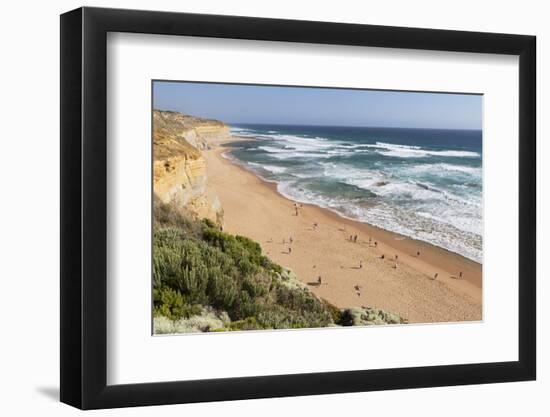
x=460, y=275
x=289, y=250
x=360, y=264
x=418, y=253
x=291, y=240
x=396, y=257
x=319, y=280
x=436, y=275
x=355, y=239
x=375, y=244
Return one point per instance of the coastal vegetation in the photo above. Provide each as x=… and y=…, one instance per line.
x=208, y=280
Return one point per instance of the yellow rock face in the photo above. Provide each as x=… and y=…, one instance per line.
x=179, y=170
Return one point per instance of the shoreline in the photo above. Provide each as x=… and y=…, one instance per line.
x=397, y=235
x=353, y=273
x=238, y=163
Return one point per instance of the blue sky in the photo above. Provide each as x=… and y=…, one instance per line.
x=234, y=103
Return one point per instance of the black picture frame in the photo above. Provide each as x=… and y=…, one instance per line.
x=84, y=207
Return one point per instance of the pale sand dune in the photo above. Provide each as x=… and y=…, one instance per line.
x=254, y=208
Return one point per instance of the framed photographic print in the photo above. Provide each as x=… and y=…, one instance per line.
x=257, y=208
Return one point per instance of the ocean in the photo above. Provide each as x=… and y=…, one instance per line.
x=422, y=183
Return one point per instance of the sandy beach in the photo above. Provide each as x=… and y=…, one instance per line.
x=387, y=275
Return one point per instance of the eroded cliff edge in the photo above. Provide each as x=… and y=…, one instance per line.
x=179, y=169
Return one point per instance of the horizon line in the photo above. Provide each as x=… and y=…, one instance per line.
x=317, y=125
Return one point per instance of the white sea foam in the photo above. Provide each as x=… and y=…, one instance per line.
x=227, y=155
x=444, y=206
x=414, y=153
x=271, y=149
x=405, y=151
x=392, y=146
x=291, y=153
x=295, y=155
x=449, y=169
x=243, y=132
x=270, y=168
x=461, y=168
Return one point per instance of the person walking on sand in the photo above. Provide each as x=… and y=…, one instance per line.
x=418, y=253
x=291, y=240
x=375, y=244
x=360, y=264
x=396, y=257
x=436, y=275
x=355, y=239
x=460, y=275
x=319, y=281
x=289, y=250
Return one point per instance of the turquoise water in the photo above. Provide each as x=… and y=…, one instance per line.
x=423, y=183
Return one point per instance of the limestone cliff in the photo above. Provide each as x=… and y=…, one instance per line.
x=197, y=132
x=179, y=168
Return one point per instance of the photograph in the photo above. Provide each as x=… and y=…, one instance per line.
x=306, y=202
x=290, y=207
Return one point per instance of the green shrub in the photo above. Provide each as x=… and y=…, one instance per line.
x=249, y=323
x=171, y=304
x=335, y=312
x=195, y=264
